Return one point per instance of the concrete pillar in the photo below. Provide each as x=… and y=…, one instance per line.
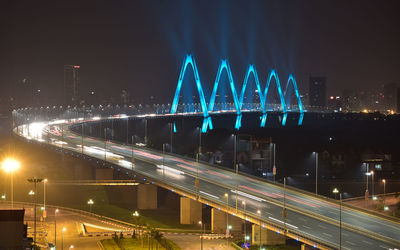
x=191, y=211
x=268, y=237
x=104, y=174
x=218, y=222
x=147, y=196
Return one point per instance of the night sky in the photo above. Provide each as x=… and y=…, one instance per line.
x=140, y=45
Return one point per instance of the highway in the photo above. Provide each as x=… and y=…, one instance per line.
x=308, y=216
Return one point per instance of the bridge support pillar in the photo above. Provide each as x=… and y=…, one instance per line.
x=146, y=196
x=191, y=211
x=219, y=223
x=268, y=237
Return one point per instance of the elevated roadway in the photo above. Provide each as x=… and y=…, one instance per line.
x=310, y=219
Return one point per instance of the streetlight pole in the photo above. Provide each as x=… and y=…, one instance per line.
x=201, y=236
x=55, y=227
x=127, y=130
x=384, y=192
x=199, y=140
x=44, y=193
x=35, y=181
x=105, y=145
x=227, y=224
x=244, y=213
x=235, y=165
x=163, y=159
x=259, y=213
x=145, y=131
x=316, y=173
x=284, y=213
x=62, y=237
x=90, y=203
x=132, y=159
x=340, y=222
x=373, y=189
x=367, y=173
x=274, y=167
x=82, y=140
x=171, y=130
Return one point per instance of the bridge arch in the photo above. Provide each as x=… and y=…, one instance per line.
x=189, y=60
x=274, y=75
x=292, y=80
x=252, y=70
x=225, y=65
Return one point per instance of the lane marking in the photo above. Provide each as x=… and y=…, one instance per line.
x=307, y=227
x=324, y=227
x=351, y=243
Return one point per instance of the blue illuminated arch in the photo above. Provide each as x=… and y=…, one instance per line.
x=189, y=60
x=252, y=70
x=292, y=80
x=225, y=65
x=278, y=85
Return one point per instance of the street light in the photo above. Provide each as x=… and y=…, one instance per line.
x=199, y=140
x=384, y=192
x=90, y=203
x=274, y=166
x=10, y=165
x=335, y=191
x=62, y=237
x=35, y=181
x=44, y=194
x=316, y=172
x=259, y=214
x=163, y=159
x=244, y=213
x=373, y=189
x=201, y=236
x=3, y=196
x=227, y=224
x=55, y=226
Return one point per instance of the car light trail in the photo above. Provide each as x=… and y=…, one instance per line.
x=215, y=197
x=248, y=195
x=290, y=225
x=125, y=163
x=172, y=170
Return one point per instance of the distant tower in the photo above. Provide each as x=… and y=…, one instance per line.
x=71, y=84
x=317, y=91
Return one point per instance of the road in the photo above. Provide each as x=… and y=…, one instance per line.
x=71, y=238
x=310, y=216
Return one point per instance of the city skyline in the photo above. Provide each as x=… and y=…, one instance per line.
x=131, y=45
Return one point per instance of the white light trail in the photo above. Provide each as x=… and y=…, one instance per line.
x=125, y=163
x=290, y=225
x=248, y=195
x=172, y=170
x=215, y=197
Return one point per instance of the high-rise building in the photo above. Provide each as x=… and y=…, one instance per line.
x=351, y=100
x=389, y=96
x=317, y=91
x=71, y=84
x=124, y=96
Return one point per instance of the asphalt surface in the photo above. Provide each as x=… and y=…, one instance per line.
x=309, y=216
